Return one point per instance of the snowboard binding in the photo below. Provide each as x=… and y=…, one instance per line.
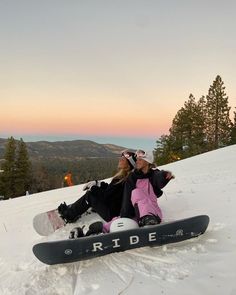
x=95, y=228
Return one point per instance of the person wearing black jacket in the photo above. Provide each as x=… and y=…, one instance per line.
x=104, y=198
x=142, y=188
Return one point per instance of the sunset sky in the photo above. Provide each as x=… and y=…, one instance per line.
x=110, y=69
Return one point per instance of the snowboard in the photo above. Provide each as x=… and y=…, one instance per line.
x=48, y=222
x=65, y=251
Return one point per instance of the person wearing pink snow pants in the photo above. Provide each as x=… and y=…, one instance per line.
x=142, y=188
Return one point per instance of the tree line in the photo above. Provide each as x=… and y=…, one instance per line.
x=199, y=126
x=49, y=173
x=15, y=176
x=20, y=175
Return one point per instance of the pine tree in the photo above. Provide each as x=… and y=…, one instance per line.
x=8, y=167
x=187, y=133
x=233, y=131
x=41, y=180
x=218, y=120
x=22, y=170
x=202, y=111
x=188, y=128
x=16, y=176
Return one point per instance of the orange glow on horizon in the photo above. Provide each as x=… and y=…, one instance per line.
x=124, y=120
x=134, y=127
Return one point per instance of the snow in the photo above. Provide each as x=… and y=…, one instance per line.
x=204, y=184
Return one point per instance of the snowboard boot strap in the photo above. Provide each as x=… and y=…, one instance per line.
x=76, y=233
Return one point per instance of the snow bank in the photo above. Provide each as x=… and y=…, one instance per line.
x=204, y=184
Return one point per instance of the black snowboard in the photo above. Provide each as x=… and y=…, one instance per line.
x=65, y=251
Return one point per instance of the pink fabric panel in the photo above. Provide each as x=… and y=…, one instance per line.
x=145, y=198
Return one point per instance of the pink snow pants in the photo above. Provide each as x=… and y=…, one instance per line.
x=145, y=199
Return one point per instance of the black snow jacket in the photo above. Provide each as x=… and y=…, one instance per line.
x=109, y=196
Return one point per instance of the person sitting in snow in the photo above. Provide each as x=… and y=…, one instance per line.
x=142, y=188
x=104, y=198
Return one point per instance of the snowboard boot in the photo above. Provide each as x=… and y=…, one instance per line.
x=81, y=205
x=76, y=233
x=67, y=213
x=95, y=228
x=70, y=213
x=149, y=220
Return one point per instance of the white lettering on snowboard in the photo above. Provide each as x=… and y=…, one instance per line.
x=133, y=240
x=97, y=246
x=152, y=237
x=116, y=243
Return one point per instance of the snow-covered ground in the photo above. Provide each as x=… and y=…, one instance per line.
x=204, y=184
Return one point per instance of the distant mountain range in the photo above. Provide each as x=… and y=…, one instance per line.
x=75, y=149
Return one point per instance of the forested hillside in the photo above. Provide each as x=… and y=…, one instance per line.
x=51, y=161
x=67, y=149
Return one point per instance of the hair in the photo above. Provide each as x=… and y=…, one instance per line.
x=122, y=174
x=152, y=166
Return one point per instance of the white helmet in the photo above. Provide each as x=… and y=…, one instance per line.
x=121, y=224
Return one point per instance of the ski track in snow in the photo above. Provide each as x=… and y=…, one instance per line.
x=166, y=263
x=205, y=184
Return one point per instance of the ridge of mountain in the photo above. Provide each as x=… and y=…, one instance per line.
x=67, y=149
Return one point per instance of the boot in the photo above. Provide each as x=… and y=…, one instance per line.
x=66, y=213
x=70, y=213
x=81, y=205
x=95, y=228
x=149, y=220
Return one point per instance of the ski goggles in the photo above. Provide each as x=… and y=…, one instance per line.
x=127, y=154
x=130, y=156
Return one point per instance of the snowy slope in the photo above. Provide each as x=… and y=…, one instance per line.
x=204, y=184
